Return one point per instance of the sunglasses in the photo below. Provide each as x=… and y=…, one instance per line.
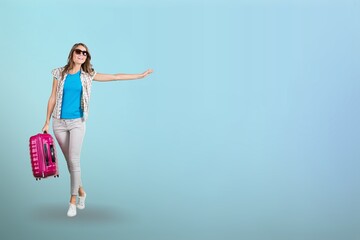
x=78, y=51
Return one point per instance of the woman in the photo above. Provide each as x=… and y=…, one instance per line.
x=69, y=104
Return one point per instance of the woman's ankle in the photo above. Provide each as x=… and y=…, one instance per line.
x=81, y=192
x=73, y=199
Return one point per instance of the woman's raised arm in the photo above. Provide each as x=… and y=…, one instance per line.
x=101, y=77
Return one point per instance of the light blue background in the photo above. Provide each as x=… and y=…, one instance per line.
x=248, y=128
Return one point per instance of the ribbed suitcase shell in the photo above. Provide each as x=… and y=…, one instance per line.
x=43, y=156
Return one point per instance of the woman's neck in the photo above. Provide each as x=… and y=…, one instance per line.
x=75, y=69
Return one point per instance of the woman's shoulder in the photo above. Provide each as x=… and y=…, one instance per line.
x=56, y=72
x=90, y=74
x=58, y=69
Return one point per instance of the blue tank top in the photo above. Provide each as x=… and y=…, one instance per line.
x=71, y=102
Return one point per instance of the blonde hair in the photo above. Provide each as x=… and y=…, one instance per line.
x=86, y=66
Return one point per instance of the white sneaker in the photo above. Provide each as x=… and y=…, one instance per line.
x=81, y=203
x=72, y=210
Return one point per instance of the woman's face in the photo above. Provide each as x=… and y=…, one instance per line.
x=79, y=55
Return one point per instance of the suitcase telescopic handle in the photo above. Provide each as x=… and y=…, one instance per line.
x=52, y=153
x=46, y=155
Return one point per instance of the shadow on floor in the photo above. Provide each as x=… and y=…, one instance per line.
x=91, y=214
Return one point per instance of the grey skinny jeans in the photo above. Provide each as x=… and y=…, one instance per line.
x=69, y=134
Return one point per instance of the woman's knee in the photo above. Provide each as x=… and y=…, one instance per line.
x=74, y=165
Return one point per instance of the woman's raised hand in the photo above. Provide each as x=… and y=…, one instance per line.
x=147, y=72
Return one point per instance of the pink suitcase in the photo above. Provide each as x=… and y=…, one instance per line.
x=43, y=156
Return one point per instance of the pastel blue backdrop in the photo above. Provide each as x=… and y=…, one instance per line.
x=247, y=129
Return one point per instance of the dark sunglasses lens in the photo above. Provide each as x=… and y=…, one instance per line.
x=78, y=51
